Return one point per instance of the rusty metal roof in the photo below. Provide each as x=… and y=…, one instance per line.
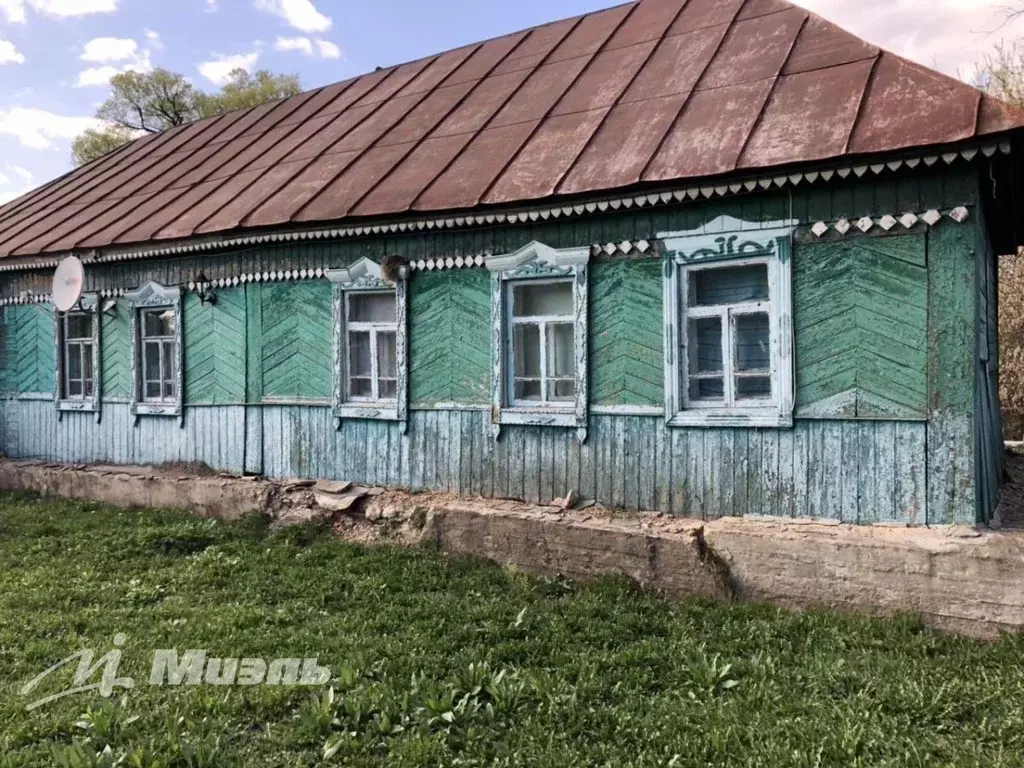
x=640, y=94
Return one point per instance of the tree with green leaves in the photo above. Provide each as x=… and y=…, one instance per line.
x=1001, y=74
x=152, y=102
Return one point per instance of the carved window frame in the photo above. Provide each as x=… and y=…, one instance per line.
x=365, y=276
x=88, y=304
x=152, y=295
x=538, y=262
x=727, y=241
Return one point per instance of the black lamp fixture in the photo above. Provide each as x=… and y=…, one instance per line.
x=204, y=289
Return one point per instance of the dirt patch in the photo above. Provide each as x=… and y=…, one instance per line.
x=196, y=468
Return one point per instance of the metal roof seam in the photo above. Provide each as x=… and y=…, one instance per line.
x=497, y=111
x=686, y=101
x=526, y=142
x=260, y=202
x=863, y=102
x=771, y=92
x=427, y=134
x=373, y=111
x=227, y=161
x=183, y=168
x=618, y=99
x=371, y=145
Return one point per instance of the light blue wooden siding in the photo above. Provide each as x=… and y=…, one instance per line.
x=215, y=435
x=853, y=471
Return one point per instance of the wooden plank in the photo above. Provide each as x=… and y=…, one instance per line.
x=850, y=469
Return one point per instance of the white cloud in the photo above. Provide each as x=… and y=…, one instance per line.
x=218, y=69
x=303, y=44
x=9, y=54
x=39, y=129
x=301, y=14
x=211, y=6
x=105, y=49
x=100, y=76
x=14, y=10
x=323, y=49
x=154, y=39
x=4, y=179
x=328, y=50
x=23, y=173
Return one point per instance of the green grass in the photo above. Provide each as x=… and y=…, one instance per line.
x=440, y=662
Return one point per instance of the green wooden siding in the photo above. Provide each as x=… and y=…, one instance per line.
x=29, y=349
x=215, y=348
x=296, y=350
x=450, y=337
x=116, y=352
x=626, y=334
x=860, y=316
x=952, y=353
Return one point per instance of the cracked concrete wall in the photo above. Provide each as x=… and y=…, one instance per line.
x=958, y=579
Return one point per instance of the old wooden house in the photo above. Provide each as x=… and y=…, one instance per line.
x=709, y=257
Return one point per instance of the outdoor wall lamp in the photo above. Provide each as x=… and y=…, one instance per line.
x=204, y=289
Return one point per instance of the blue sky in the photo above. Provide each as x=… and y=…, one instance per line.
x=56, y=56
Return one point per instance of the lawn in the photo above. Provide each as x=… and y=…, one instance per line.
x=441, y=662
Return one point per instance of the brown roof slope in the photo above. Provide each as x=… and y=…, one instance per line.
x=653, y=91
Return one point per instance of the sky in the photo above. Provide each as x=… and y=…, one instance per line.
x=57, y=56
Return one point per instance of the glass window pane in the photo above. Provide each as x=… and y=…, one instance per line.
x=359, y=363
x=360, y=387
x=74, y=388
x=752, y=337
x=527, y=389
x=74, y=360
x=526, y=348
x=168, y=360
x=152, y=390
x=531, y=300
x=561, y=354
x=705, y=345
x=371, y=307
x=706, y=389
x=88, y=388
x=86, y=360
x=158, y=322
x=561, y=390
x=753, y=386
x=388, y=389
x=78, y=325
x=169, y=389
x=387, y=365
x=728, y=285
x=151, y=361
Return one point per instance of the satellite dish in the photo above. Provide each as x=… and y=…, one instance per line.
x=67, y=283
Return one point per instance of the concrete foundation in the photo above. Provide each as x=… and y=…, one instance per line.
x=957, y=579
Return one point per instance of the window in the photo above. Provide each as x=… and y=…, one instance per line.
x=78, y=357
x=728, y=345
x=372, y=346
x=369, y=343
x=157, y=350
x=543, y=344
x=159, y=354
x=539, y=302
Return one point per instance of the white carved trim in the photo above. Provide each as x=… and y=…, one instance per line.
x=888, y=222
x=745, y=242
x=538, y=253
x=154, y=295
x=89, y=302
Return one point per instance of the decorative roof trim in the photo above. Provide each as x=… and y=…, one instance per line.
x=888, y=222
x=679, y=195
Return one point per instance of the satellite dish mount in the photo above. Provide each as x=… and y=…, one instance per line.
x=68, y=281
